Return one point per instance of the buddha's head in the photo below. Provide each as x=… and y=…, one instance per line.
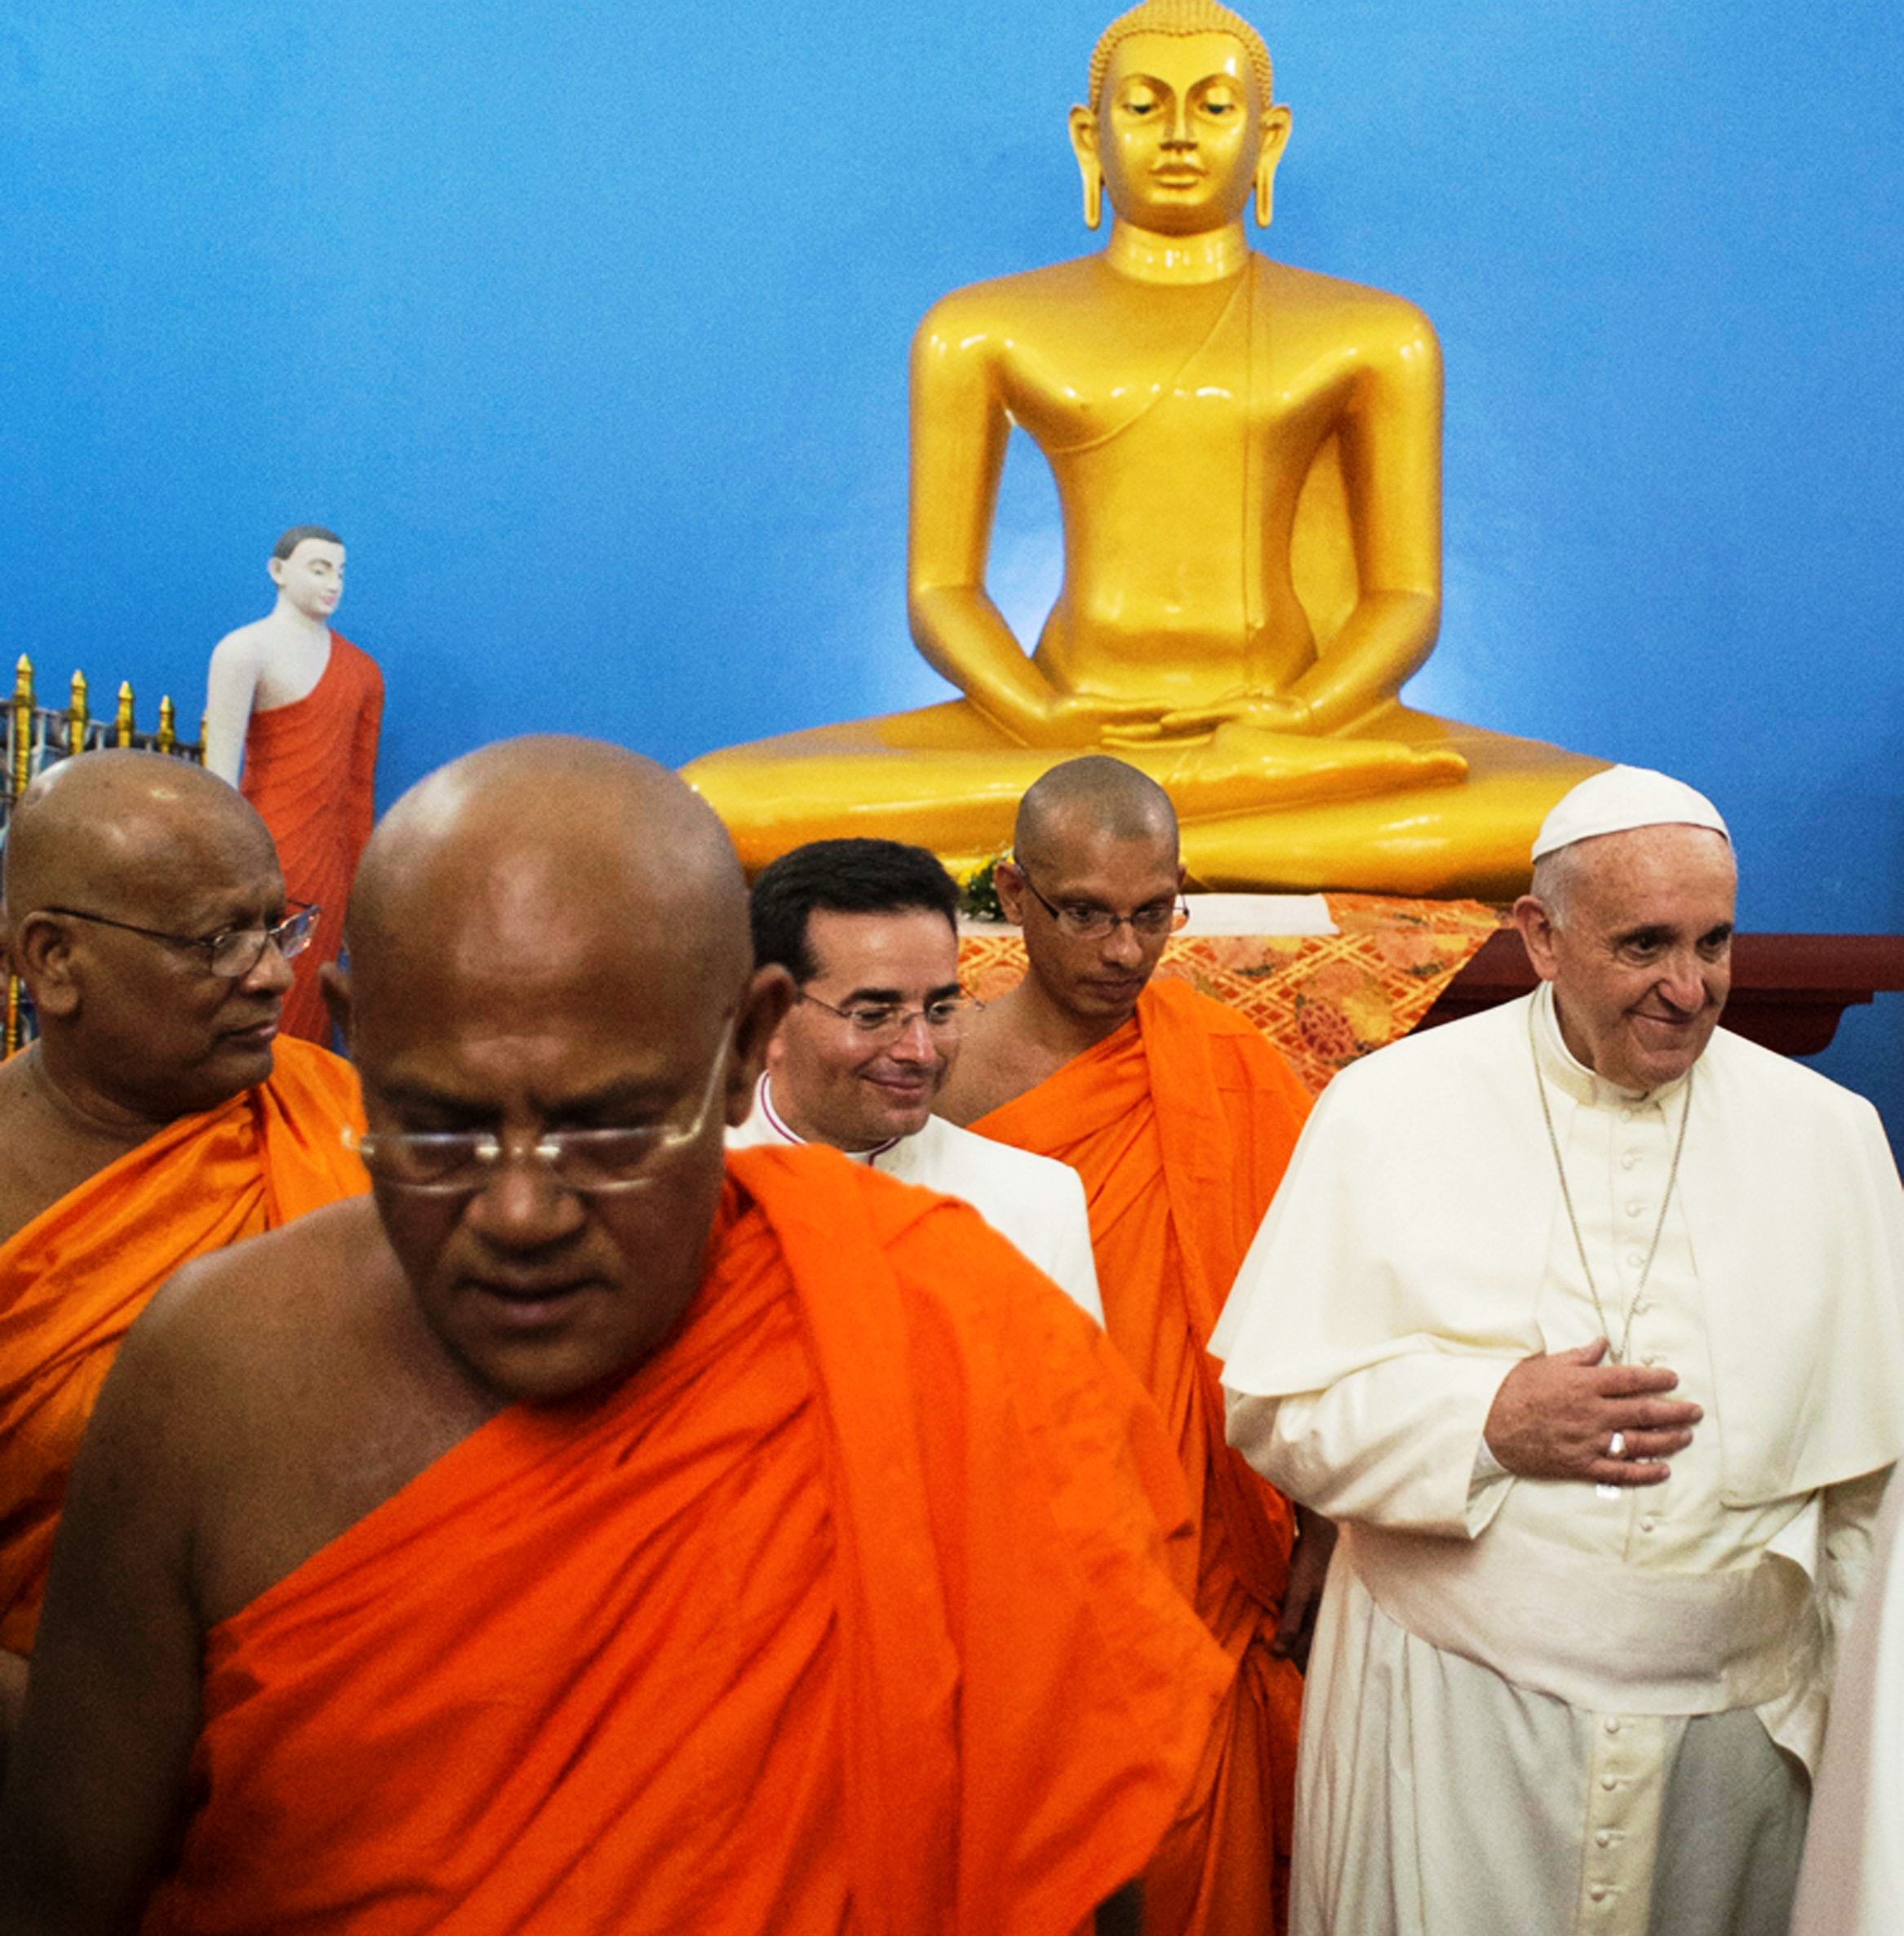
x=1181, y=125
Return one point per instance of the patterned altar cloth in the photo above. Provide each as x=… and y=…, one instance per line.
x=1323, y=1000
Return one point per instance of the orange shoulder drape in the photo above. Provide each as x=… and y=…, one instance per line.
x=310, y=771
x=846, y=1612
x=1181, y=1125
x=73, y=1280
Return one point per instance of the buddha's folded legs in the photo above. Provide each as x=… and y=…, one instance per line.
x=945, y=778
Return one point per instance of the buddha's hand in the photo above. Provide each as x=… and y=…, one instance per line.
x=1267, y=712
x=1568, y=1414
x=1082, y=719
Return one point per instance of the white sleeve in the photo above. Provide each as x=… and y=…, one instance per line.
x=1073, y=1268
x=1397, y=1443
x=1852, y=1880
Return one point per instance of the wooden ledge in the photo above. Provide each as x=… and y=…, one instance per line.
x=1787, y=990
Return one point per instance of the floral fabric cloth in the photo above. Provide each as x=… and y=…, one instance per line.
x=1323, y=1000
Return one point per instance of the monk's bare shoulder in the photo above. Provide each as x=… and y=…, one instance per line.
x=308, y=1285
x=19, y=1194
x=42, y=1160
x=315, y=1392
x=1000, y=1058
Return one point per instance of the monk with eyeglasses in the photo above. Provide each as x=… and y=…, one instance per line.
x=595, y=1532
x=156, y=1116
x=1181, y=1119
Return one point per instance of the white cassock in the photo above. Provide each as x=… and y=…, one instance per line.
x=1532, y=1709
x=1036, y=1202
x=1853, y=1879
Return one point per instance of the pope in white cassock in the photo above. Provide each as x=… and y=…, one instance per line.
x=868, y=929
x=1585, y=1321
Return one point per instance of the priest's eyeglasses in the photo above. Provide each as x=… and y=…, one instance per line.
x=232, y=953
x=879, y=1021
x=590, y=1162
x=1085, y=920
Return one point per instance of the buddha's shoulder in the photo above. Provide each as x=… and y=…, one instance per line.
x=1005, y=304
x=1356, y=309
x=1007, y=309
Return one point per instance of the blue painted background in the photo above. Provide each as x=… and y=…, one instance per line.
x=586, y=324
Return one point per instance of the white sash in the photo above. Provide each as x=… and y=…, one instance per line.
x=1607, y=1637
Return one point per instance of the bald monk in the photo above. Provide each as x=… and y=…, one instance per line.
x=1248, y=459
x=157, y=1117
x=585, y=1535
x=1180, y=1118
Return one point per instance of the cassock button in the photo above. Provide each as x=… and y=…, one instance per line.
x=1646, y=1526
x=1651, y=1358
x=1629, y=1159
x=1636, y=1210
x=1603, y=1840
x=1626, y=1116
x=1613, y=1725
x=1598, y=1892
x=1609, y=1782
x=1634, y=1260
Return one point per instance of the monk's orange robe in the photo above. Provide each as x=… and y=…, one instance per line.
x=848, y=1611
x=1181, y=1125
x=310, y=771
x=73, y=1281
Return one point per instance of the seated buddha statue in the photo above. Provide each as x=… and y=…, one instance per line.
x=1247, y=462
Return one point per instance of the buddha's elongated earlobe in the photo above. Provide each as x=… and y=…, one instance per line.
x=1084, y=144
x=1276, y=137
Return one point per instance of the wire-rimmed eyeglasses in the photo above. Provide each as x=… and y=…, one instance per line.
x=878, y=1022
x=590, y=1162
x=1084, y=920
x=232, y=953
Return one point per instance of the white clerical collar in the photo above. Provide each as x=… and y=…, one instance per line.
x=763, y=1098
x=1568, y=1074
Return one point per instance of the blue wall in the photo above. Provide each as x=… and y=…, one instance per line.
x=586, y=325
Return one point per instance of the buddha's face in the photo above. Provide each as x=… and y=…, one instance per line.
x=311, y=578
x=1180, y=131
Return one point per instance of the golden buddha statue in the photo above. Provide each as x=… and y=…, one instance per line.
x=1248, y=460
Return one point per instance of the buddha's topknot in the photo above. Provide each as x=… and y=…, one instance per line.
x=1181, y=17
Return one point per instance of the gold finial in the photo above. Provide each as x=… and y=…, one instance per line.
x=1181, y=17
x=23, y=725
x=123, y=719
x=168, y=737
x=76, y=715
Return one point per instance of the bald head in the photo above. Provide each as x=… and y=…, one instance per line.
x=92, y=830
x=548, y=938
x=522, y=852
x=1095, y=796
x=121, y=866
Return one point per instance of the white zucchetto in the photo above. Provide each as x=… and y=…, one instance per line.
x=1620, y=799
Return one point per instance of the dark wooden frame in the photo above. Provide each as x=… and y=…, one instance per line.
x=1787, y=990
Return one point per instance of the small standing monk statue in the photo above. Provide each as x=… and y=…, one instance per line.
x=296, y=708
x=1248, y=459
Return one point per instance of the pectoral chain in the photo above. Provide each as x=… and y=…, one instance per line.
x=1617, y=1353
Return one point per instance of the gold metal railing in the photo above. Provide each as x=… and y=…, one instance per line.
x=38, y=736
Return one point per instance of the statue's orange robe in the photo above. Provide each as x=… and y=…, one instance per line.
x=849, y=1611
x=1181, y=1124
x=310, y=771
x=73, y=1281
